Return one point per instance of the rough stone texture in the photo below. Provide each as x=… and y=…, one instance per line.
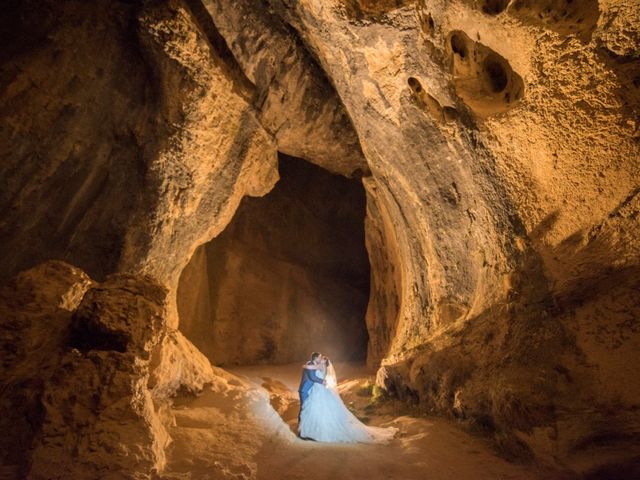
x=83, y=144
x=36, y=313
x=482, y=78
x=178, y=366
x=502, y=231
x=152, y=146
x=214, y=152
x=76, y=394
x=288, y=276
x=386, y=278
x=99, y=418
x=294, y=98
x=497, y=217
x=187, y=132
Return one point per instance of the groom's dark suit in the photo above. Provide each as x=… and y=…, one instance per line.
x=308, y=379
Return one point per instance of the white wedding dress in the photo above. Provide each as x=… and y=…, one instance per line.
x=325, y=418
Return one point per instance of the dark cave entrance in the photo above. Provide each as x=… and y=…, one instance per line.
x=290, y=274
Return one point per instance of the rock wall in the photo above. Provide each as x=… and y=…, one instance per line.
x=295, y=100
x=36, y=315
x=74, y=132
x=499, y=147
x=288, y=276
x=152, y=127
x=77, y=358
x=154, y=145
x=498, y=174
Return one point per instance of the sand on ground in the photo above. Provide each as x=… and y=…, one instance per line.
x=244, y=428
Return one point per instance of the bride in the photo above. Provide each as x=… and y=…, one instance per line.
x=325, y=418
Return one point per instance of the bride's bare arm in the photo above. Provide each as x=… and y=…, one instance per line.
x=310, y=367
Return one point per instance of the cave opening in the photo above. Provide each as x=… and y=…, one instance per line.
x=289, y=275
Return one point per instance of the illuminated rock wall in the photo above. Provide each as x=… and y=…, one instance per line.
x=288, y=276
x=498, y=143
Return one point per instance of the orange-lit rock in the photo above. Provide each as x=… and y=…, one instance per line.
x=498, y=144
x=36, y=309
x=289, y=275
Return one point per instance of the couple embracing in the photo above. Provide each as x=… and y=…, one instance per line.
x=323, y=416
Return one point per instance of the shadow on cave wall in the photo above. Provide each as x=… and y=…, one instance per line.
x=63, y=172
x=553, y=325
x=289, y=274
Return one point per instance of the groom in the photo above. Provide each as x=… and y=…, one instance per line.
x=308, y=379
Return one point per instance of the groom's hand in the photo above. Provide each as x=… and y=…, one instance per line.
x=324, y=382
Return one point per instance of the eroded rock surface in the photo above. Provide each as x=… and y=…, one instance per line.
x=499, y=208
x=288, y=276
x=499, y=144
x=84, y=144
x=98, y=412
x=76, y=367
x=294, y=98
x=36, y=309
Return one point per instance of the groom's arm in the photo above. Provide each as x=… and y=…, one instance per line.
x=311, y=376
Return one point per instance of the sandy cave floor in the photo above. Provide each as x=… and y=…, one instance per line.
x=244, y=428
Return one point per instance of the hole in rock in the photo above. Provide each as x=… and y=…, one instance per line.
x=287, y=276
x=414, y=84
x=458, y=45
x=431, y=23
x=484, y=80
x=494, y=7
x=496, y=74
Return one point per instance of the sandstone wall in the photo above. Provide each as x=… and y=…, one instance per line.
x=75, y=132
x=499, y=144
x=288, y=276
x=502, y=139
x=158, y=133
x=141, y=138
x=81, y=396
